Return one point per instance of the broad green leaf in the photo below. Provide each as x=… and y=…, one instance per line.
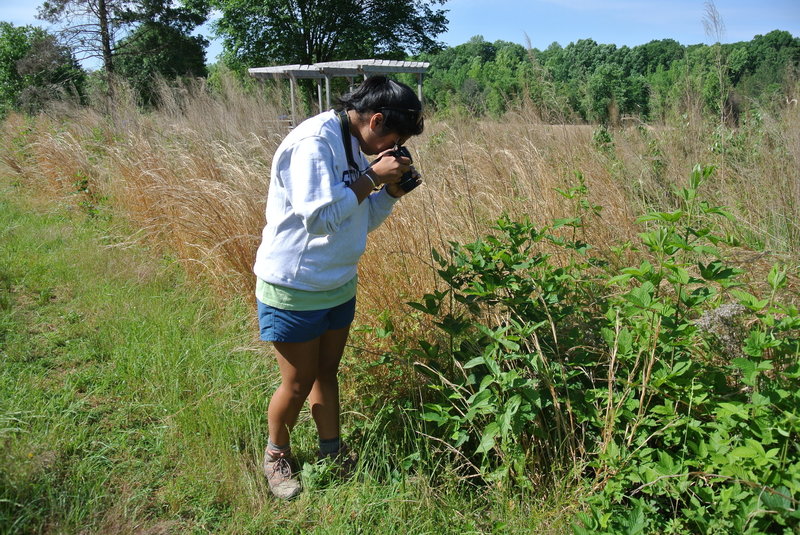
x=669, y=217
x=641, y=296
x=432, y=416
x=743, y=452
x=512, y=406
x=681, y=274
x=624, y=341
x=777, y=277
x=717, y=271
x=488, y=439
x=779, y=500
x=568, y=222
x=619, y=278
x=749, y=300
x=477, y=361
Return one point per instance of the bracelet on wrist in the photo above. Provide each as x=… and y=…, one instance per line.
x=368, y=174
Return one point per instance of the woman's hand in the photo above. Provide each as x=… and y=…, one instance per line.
x=389, y=168
x=396, y=191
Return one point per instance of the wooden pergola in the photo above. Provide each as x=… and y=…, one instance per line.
x=349, y=69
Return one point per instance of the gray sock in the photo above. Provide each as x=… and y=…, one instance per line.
x=272, y=447
x=330, y=446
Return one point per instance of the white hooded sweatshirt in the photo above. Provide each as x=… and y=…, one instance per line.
x=316, y=230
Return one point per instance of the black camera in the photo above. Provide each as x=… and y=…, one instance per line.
x=410, y=179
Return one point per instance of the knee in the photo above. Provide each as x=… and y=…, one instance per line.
x=328, y=366
x=298, y=390
x=328, y=374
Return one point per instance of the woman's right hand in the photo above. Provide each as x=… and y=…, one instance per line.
x=389, y=168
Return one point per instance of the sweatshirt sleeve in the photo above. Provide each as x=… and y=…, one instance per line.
x=318, y=196
x=380, y=206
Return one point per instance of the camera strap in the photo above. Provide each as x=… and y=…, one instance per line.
x=344, y=123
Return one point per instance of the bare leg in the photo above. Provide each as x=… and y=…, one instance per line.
x=298, y=363
x=324, y=396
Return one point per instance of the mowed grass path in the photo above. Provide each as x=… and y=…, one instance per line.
x=118, y=385
x=132, y=401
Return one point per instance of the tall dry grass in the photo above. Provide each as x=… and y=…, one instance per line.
x=193, y=176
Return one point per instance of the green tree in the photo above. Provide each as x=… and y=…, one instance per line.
x=90, y=27
x=500, y=75
x=581, y=58
x=34, y=68
x=480, y=77
x=156, y=49
x=659, y=53
x=572, y=67
x=261, y=32
x=768, y=59
x=104, y=29
x=605, y=93
x=14, y=44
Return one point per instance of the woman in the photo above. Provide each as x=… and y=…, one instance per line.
x=321, y=204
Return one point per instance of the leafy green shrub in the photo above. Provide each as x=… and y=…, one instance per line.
x=602, y=139
x=669, y=389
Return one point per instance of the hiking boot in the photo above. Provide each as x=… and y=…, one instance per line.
x=281, y=476
x=344, y=461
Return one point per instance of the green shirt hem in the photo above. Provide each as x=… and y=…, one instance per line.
x=293, y=299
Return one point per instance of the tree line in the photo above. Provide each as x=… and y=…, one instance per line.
x=595, y=82
x=136, y=40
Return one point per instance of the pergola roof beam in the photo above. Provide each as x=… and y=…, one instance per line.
x=340, y=68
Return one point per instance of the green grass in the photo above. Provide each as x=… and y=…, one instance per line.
x=133, y=401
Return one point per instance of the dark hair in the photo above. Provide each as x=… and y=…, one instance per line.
x=401, y=109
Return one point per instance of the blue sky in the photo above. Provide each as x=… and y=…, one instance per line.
x=621, y=22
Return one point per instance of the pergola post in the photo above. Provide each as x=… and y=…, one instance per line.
x=319, y=94
x=419, y=88
x=291, y=96
x=328, y=91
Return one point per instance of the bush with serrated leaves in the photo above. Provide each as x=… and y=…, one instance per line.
x=667, y=388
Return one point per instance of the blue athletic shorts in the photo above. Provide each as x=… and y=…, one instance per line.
x=279, y=325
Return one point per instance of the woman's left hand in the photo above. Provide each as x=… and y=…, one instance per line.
x=395, y=190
